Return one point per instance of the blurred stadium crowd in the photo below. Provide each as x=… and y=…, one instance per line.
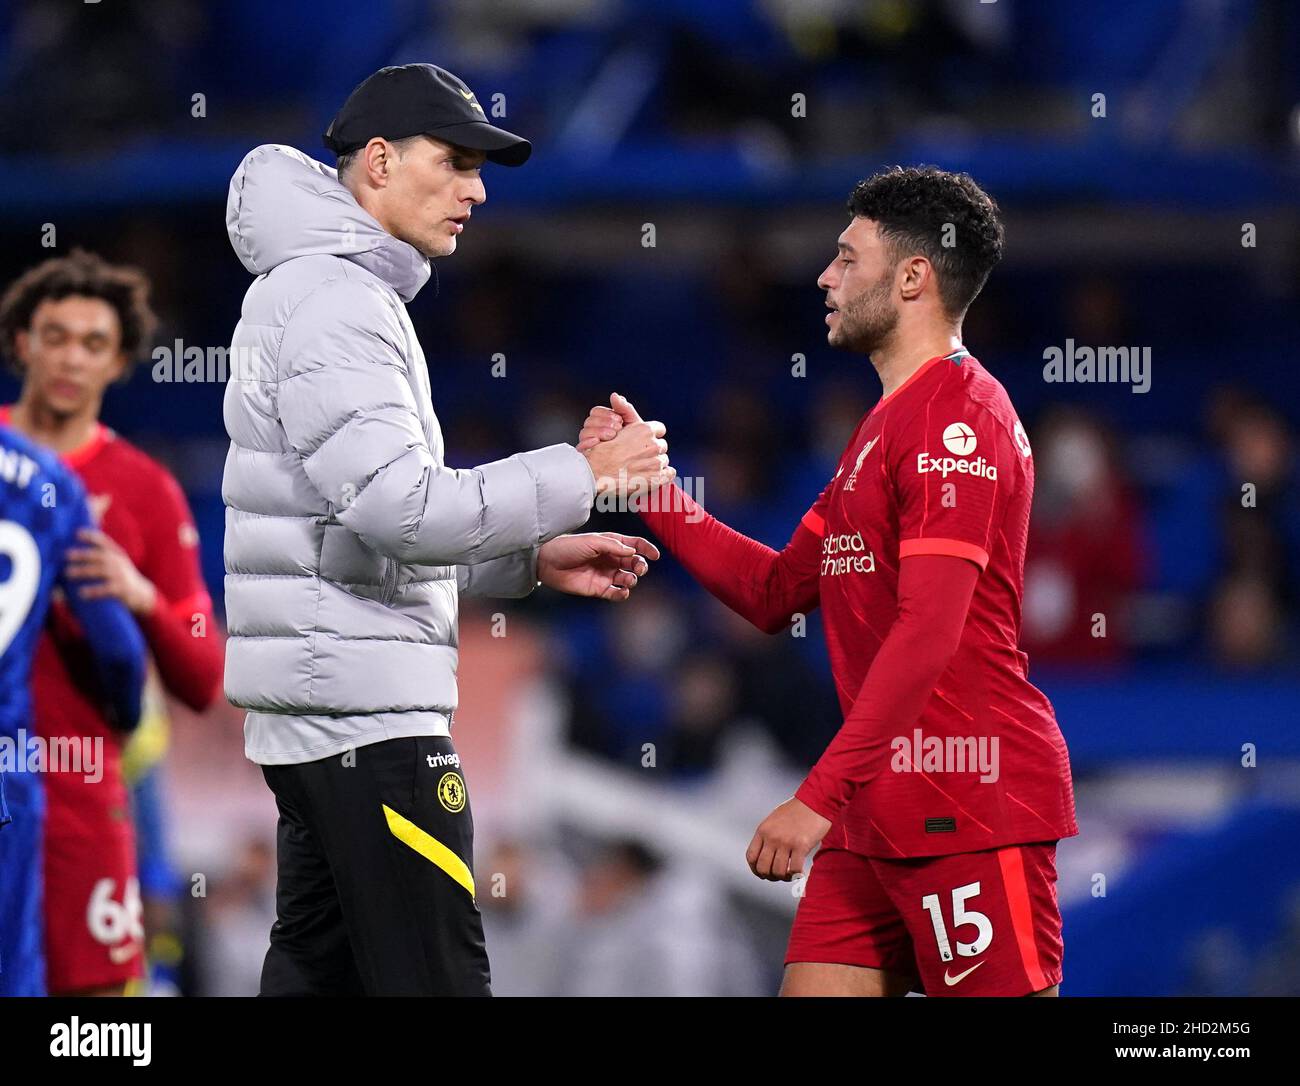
x=644, y=113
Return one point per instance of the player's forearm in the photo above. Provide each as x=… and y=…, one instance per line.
x=123, y=681
x=417, y=511
x=187, y=650
x=511, y=576
x=892, y=697
x=934, y=598
x=761, y=585
x=118, y=652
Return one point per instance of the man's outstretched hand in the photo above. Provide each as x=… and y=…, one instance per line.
x=783, y=840
x=601, y=564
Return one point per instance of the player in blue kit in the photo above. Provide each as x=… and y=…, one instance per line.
x=42, y=507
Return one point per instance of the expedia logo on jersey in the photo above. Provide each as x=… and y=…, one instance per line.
x=846, y=553
x=947, y=465
x=960, y=439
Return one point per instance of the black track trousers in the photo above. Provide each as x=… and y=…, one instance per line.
x=375, y=851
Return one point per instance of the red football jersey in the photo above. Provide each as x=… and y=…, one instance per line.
x=136, y=503
x=941, y=466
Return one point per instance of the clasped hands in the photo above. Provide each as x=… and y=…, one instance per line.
x=627, y=457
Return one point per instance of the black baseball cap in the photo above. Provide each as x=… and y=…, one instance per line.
x=421, y=99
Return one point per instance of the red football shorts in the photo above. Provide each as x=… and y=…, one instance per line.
x=94, y=931
x=971, y=924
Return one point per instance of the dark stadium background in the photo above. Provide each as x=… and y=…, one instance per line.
x=599, y=874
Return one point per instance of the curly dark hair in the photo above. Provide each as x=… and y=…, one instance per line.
x=914, y=205
x=83, y=274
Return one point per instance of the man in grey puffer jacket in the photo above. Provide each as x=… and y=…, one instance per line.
x=349, y=541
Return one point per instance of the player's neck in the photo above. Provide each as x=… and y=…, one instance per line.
x=896, y=362
x=60, y=433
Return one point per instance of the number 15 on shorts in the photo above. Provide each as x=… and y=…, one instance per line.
x=961, y=915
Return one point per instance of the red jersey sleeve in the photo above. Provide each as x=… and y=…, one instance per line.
x=934, y=594
x=182, y=630
x=953, y=470
x=764, y=586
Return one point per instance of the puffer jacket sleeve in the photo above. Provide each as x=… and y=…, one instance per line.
x=349, y=412
x=511, y=577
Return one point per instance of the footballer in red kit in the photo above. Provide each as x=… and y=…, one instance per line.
x=940, y=466
x=72, y=326
x=938, y=805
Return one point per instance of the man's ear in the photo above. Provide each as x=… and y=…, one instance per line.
x=916, y=273
x=119, y=366
x=376, y=157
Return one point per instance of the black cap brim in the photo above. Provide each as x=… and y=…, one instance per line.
x=501, y=147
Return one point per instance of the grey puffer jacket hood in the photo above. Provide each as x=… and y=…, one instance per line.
x=284, y=204
x=348, y=540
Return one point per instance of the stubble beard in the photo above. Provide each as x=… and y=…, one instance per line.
x=868, y=321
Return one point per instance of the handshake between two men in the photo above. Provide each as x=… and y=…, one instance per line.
x=631, y=456
x=628, y=458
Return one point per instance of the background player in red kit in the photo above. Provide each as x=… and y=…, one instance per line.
x=939, y=803
x=72, y=326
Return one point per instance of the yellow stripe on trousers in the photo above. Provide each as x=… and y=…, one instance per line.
x=429, y=847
